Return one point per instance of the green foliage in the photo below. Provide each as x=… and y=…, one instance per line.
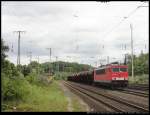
x=9, y=69
x=14, y=85
x=64, y=67
x=61, y=75
x=32, y=78
x=14, y=88
x=142, y=79
x=28, y=81
x=18, y=86
x=43, y=98
x=25, y=70
x=141, y=65
x=4, y=49
x=45, y=67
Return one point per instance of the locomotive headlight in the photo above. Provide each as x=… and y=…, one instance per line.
x=113, y=78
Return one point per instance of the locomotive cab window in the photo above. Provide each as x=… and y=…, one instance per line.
x=115, y=69
x=100, y=71
x=123, y=69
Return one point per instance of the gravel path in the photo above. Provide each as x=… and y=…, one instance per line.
x=70, y=96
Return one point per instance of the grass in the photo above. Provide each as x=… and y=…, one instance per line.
x=141, y=79
x=77, y=107
x=43, y=99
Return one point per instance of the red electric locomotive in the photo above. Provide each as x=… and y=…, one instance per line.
x=115, y=75
x=110, y=75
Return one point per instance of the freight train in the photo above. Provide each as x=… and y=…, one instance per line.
x=113, y=75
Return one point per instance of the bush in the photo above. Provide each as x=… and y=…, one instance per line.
x=142, y=79
x=61, y=75
x=32, y=78
x=16, y=88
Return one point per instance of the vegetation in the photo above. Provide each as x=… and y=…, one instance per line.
x=42, y=98
x=142, y=79
x=141, y=65
x=24, y=81
x=64, y=67
x=61, y=75
x=141, y=69
x=3, y=50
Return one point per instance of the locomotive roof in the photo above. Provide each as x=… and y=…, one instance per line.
x=110, y=65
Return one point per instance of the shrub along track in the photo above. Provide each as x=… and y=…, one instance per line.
x=113, y=103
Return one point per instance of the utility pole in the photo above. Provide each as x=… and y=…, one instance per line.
x=124, y=48
x=57, y=66
x=49, y=60
x=12, y=49
x=63, y=67
x=145, y=48
x=18, y=56
x=125, y=60
x=100, y=62
x=132, y=51
x=125, y=56
x=38, y=65
x=30, y=55
x=96, y=64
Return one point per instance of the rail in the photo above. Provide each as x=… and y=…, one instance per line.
x=91, y=92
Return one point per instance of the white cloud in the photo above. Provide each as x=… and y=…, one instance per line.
x=77, y=29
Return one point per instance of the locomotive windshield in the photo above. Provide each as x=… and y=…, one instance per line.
x=119, y=69
x=115, y=69
x=123, y=69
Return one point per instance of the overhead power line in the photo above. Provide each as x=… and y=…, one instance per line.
x=124, y=18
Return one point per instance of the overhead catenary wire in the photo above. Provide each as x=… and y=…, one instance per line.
x=131, y=14
x=120, y=22
x=124, y=18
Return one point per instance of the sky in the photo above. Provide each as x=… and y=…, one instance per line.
x=82, y=32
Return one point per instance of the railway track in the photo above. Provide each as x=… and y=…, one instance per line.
x=142, y=87
x=116, y=104
x=96, y=101
x=94, y=104
x=99, y=91
x=134, y=92
x=137, y=90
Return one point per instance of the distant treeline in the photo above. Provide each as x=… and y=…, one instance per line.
x=54, y=67
x=141, y=65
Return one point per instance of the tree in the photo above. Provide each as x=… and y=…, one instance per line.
x=140, y=64
x=34, y=65
x=25, y=70
x=4, y=49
